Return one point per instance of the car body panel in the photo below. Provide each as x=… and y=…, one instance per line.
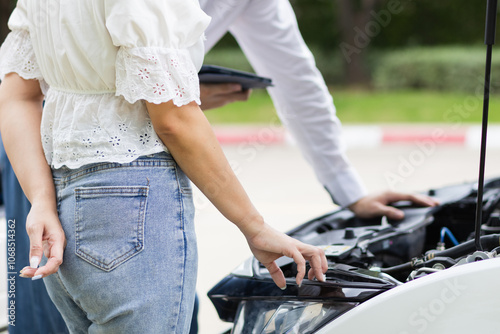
x=460, y=300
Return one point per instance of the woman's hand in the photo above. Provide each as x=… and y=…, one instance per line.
x=20, y=118
x=268, y=245
x=46, y=237
x=191, y=141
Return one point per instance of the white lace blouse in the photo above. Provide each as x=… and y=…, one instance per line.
x=97, y=62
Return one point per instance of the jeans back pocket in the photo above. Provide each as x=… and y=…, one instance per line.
x=109, y=224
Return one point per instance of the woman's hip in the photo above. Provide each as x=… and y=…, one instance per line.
x=130, y=234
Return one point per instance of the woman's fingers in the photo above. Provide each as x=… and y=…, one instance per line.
x=27, y=272
x=317, y=261
x=35, y=234
x=269, y=245
x=276, y=274
x=55, y=258
x=301, y=266
x=319, y=265
x=46, y=237
x=55, y=252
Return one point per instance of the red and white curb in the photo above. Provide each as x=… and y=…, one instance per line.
x=367, y=136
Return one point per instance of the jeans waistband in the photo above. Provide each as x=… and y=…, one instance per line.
x=65, y=174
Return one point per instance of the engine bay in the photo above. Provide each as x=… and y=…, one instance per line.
x=367, y=257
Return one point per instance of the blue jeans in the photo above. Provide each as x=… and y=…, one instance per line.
x=131, y=260
x=31, y=311
x=194, y=320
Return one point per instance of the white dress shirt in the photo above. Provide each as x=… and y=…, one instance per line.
x=268, y=34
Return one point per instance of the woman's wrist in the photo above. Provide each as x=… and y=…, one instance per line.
x=251, y=225
x=44, y=200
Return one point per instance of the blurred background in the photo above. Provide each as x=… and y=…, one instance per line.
x=375, y=54
x=381, y=56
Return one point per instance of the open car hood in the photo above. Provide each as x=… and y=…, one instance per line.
x=366, y=258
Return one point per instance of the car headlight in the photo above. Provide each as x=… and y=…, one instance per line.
x=292, y=317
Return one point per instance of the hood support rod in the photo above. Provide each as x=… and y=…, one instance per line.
x=489, y=40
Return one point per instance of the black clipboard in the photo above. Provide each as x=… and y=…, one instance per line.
x=219, y=74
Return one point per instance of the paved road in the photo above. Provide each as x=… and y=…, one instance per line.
x=284, y=189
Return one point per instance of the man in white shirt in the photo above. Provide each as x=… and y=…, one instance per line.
x=268, y=34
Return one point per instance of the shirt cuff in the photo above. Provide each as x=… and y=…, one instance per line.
x=346, y=187
x=156, y=75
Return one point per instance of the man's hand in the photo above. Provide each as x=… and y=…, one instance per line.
x=218, y=95
x=377, y=205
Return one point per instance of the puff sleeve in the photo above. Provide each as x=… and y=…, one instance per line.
x=160, y=48
x=17, y=54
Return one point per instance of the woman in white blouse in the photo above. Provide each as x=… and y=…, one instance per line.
x=103, y=165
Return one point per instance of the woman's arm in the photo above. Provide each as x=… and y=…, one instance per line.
x=190, y=139
x=20, y=117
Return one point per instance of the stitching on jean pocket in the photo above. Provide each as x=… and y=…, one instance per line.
x=183, y=181
x=109, y=224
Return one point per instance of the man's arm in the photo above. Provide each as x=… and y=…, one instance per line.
x=268, y=33
x=20, y=117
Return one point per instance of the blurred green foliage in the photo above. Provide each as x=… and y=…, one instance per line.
x=228, y=56
x=457, y=24
x=452, y=68
x=421, y=22
x=365, y=106
x=444, y=68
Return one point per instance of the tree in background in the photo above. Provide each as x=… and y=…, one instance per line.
x=6, y=7
x=358, y=26
x=350, y=29
x=346, y=27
